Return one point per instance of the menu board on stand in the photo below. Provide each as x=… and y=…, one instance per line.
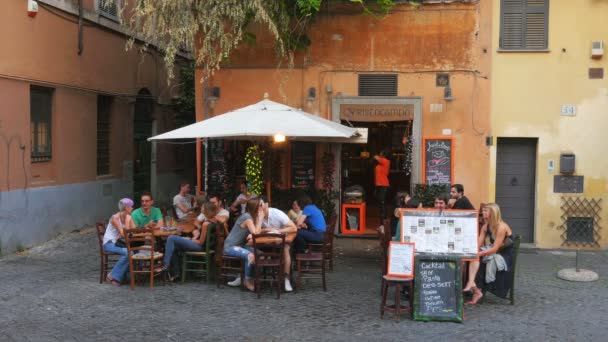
x=438, y=160
x=443, y=239
x=303, y=158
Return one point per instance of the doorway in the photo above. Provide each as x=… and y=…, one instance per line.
x=516, y=183
x=142, y=148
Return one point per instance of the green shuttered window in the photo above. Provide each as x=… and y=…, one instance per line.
x=524, y=24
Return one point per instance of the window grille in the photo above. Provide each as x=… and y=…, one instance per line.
x=378, y=85
x=108, y=8
x=581, y=221
x=104, y=104
x=41, y=102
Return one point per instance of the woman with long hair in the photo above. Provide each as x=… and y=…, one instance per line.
x=236, y=242
x=498, y=254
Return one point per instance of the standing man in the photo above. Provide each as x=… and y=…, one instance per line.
x=382, y=170
x=459, y=200
x=184, y=203
x=147, y=216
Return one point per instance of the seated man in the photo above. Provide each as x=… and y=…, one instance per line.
x=147, y=216
x=275, y=219
x=459, y=200
x=222, y=215
x=311, y=224
x=195, y=244
x=441, y=202
x=238, y=206
x=184, y=203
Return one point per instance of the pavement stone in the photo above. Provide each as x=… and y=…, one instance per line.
x=52, y=293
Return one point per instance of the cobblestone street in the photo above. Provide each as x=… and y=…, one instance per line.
x=52, y=293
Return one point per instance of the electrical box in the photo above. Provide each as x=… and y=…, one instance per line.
x=597, y=49
x=566, y=163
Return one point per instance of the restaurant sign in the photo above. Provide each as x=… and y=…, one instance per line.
x=376, y=113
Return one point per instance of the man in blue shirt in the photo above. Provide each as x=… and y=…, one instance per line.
x=311, y=224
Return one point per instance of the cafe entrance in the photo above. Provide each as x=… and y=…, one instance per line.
x=391, y=126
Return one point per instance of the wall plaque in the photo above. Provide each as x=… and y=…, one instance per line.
x=376, y=113
x=568, y=184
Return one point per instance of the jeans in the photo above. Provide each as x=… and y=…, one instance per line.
x=178, y=243
x=243, y=253
x=381, y=197
x=306, y=236
x=122, y=265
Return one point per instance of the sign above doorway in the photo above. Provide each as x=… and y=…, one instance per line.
x=376, y=113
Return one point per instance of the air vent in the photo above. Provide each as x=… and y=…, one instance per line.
x=378, y=85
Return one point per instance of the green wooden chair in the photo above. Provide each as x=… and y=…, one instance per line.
x=201, y=262
x=516, y=243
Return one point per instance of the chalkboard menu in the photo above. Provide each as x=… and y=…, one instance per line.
x=216, y=168
x=438, y=160
x=303, y=158
x=438, y=289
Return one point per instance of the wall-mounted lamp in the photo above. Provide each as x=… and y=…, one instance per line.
x=279, y=137
x=213, y=94
x=312, y=95
x=447, y=93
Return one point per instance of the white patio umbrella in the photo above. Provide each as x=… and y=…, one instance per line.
x=265, y=119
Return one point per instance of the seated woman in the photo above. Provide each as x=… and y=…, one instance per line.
x=311, y=224
x=496, y=259
x=114, y=231
x=412, y=203
x=177, y=243
x=295, y=212
x=236, y=242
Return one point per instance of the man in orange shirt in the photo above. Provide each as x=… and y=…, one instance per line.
x=382, y=171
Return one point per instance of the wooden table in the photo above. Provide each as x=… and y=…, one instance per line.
x=185, y=227
x=288, y=239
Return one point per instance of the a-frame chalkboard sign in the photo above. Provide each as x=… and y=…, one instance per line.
x=438, y=289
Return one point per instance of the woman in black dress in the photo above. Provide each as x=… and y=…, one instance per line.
x=500, y=238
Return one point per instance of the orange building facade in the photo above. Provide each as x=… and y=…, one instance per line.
x=77, y=109
x=386, y=74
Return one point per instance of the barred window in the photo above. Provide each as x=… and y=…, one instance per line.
x=108, y=8
x=41, y=103
x=104, y=104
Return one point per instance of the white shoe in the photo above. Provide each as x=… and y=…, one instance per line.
x=235, y=282
x=288, y=287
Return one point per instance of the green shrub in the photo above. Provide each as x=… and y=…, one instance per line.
x=427, y=193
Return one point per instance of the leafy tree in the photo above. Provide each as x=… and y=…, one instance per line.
x=212, y=29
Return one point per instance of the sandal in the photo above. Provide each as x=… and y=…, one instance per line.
x=472, y=289
x=112, y=280
x=161, y=269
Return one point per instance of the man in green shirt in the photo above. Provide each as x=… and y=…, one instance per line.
x=147, y=216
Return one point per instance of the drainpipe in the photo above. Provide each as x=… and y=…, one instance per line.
x=80, y=26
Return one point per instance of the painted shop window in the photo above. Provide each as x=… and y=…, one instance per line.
x=104, y=104
x=41, y=107
x=524, y=24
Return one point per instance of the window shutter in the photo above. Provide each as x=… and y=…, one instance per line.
x=524, y=24
x=536, y=24
x=512, y=23
x=377, y=85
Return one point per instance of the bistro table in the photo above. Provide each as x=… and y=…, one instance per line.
x=289, y=237
x=184, y=226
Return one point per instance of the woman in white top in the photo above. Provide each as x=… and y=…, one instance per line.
x=114, y=231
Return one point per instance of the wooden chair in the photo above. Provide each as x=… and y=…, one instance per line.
x=269, y=267
x=385, y=237
x=319, y=255
x=226, y=266
x=516, y=243
x=201, y=262
x=147, y=259
x=106, y=260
